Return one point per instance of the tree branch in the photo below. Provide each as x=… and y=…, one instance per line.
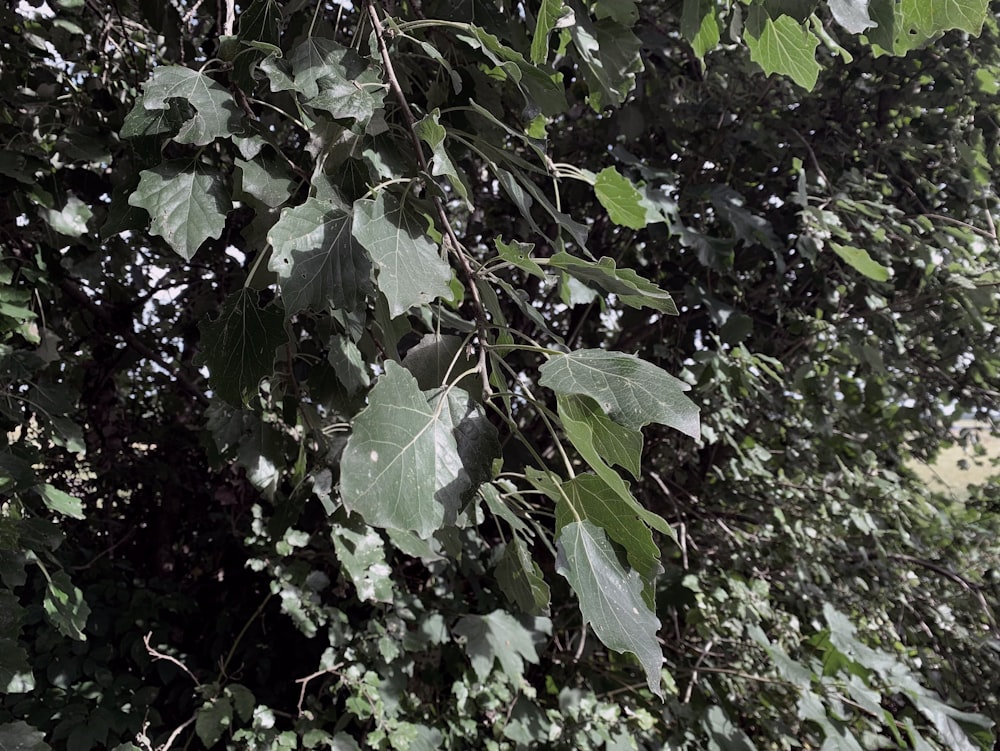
x=449, y=231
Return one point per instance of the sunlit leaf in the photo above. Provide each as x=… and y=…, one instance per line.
x=630, y=288
x=631, y=391
x=402, y=467
x=610, y=598
x=215, y=112
x=65, y=607
x=620, y=198
x=787, y=47
x=410, y=269
x=859, y=260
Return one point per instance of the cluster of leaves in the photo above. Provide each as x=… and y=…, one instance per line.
x=328, y=323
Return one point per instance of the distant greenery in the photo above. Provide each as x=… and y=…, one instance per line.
x=497, y=375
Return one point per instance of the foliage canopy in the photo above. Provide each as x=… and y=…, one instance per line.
x=488, y=374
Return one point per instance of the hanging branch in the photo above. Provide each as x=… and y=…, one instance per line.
x=449, y=231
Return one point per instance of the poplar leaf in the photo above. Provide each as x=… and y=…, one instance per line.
x=410, y=271
x=610, y=598
x=620, y=198
x=631, y=391
x=187, y=203
x=215, y=112
x=319, y=263
x=787, y=47
x=238, y=346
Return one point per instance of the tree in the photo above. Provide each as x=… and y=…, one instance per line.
x=486, y=374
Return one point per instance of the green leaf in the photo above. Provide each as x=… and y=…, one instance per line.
x=499, y=636
x=620, y=197
x=700, y=26
x=631, y=288
x=65, y=606
x=238, y=346
x=20, y=736
x=349, y=364
x=610, y=599
x=908, y=24
x=60, y=501
x=521, y=579
x=188, y=204
x=265, y=178
x=433, y=133
x=631, y=391
x=585, y=422
x=216, y=114
x=438, y=359
x=319, y=263
x=403, y=467
x=260, y=23
x=851, y=14
x=72, y=220
x=212, y=720
x=859, y=260
x=243, y=700
x=588, y=497
x=622, y=11
x=15, y=670
x=361, y=552
x=786, y=47
x=519, y=255
x=547, y=19
x=410, y=270
x=610, y=56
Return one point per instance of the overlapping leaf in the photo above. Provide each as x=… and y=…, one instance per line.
x=784, y=46
x=631, y=391
x=620, y=198
x=610, y=598
x=410, y=270
x=187, y=203
x=630, y=288
x=413, y=457
x=319, y=263
x=521, y=579
x=238, y=346
x=215, y=112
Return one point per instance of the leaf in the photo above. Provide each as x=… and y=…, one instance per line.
x=700, y=26
x=859, y=260
x=851, y=14
x=20, y=736
x=361, y=552
x=410, y=271
x=499, y=636
x=259, y=23
x=909, y=24
x=548, y=17
x=519, y=255
x=60, y=501
x=319, y=263
x=585, y=421
x=433, y=133
x=187, y=204
x=587, y=496
x=349, y=364
x=610, y=599
x=631, y=288
x=216, y=114
x=786, y=47
x=266, y=179
x=72, y=220
x=243, y=700
x=631, y=391
x=620, y=197
x=610, y=56
x=436, y=356
x=521, y=579
x=622, y=11
x=402, y=467
x=238, y=346
x=212, y=720
x=65, y=606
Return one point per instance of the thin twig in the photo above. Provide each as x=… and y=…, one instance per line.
x=158, y=655
x=305, y=682
x=694, y=671
x=449, y=231
x=177, y=731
